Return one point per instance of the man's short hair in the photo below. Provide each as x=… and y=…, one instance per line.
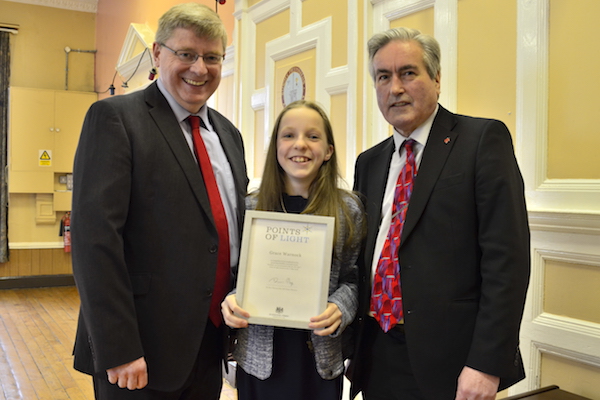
x=199, y=18
x=430, y=46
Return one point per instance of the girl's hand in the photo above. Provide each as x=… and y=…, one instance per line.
x=229, y=308
x=328, y=322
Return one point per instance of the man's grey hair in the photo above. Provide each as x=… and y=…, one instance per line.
x=430, y=46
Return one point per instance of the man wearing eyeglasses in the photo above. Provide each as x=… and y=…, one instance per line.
x=156, y=222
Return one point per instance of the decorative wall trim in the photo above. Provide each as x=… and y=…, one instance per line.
x=265, y=10
x=565, y=222
x=538, y=349
x=244, y=78
x=228, y=68
x=137, y=34
x=315, y=36
x=259, y=99
x=539, y=259
x=568, y=257
x=570, y=185
x=567, y=354
x=398, y=8
x=329, y=81
x=10, y=28
x=543, y=194
x=446, y=33
x=337, y=89
x=134, y=67
x=44, y=208
x=90, y=6
x=564, y=214
x=351, y=77
x=35, y=245
x=568, y=324
x=562, y=237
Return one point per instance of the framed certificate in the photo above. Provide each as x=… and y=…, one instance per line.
x=285, y=261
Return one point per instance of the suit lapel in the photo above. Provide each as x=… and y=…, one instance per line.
x=376, y=180
x=165, y=120
x=438, y=147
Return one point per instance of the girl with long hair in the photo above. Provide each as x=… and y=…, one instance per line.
x=301, y=175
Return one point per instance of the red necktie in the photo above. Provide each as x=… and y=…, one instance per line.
x=222, y=279
x=386, y=296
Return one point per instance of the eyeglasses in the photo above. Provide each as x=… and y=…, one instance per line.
x=190, y=57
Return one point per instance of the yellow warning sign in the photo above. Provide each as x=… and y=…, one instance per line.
x=45, y=158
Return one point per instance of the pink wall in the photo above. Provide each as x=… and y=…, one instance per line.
x=112, y=22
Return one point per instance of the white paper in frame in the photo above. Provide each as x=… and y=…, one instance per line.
x=285, y=262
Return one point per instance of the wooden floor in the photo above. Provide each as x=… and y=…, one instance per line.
x=37, y=328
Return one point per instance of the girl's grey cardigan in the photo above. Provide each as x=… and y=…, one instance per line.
x=254, y=348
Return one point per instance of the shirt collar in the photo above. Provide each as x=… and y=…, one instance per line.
x=419, y=135
x=181, y=113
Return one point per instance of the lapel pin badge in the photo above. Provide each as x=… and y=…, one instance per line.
x=447, y=140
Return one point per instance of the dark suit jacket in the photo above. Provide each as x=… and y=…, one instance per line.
x=464, y=254
x=144, y=240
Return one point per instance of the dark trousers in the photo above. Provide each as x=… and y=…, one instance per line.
x=389, y=374
x=204, y=382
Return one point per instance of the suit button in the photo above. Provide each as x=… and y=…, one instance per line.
x=213, y=249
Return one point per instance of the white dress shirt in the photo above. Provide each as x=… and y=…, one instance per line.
x=220, y=165
x=397, y=162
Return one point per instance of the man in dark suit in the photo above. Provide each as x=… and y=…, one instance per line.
x=148, y=242
x=463, y=255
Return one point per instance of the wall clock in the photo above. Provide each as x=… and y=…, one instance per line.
x=294, y=86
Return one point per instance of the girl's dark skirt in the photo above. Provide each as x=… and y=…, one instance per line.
x=294, y=376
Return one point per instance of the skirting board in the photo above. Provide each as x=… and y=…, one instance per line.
x=25, y=282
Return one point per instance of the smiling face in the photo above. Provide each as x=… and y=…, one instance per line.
x=406, y=94
x=302, y=148
x=190, y=85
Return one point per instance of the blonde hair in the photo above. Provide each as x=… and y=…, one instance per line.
x=324, y=197
x=199, y=18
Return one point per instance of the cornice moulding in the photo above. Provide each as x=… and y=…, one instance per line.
x=90, y=6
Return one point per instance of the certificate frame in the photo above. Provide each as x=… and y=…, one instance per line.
x=285, y=263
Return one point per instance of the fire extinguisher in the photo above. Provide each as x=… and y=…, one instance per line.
x=65, y=228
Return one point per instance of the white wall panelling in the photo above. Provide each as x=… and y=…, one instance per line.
x=329, y=81
x=543, y=194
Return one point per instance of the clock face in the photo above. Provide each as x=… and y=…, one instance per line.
x=294, y=86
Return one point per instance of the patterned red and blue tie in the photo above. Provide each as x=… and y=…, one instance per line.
x=386, y=295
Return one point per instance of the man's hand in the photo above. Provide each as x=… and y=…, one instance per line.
x=229, y=309
x=327, y=323
x=133, y=375
x=476, y=385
